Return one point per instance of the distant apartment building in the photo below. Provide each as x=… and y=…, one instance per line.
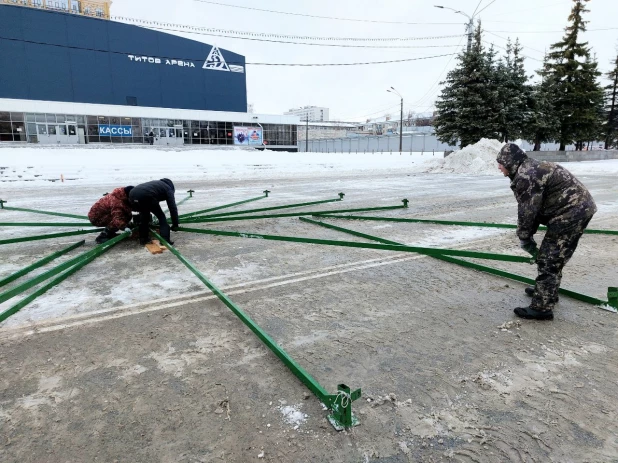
x=95, y=8
x=324, y=130
x=314, y=113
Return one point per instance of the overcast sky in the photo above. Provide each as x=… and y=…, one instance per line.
x=359, y=92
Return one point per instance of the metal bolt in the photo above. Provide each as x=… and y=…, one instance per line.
x=191, y=193
x=405, y=202
x=266, y=192
x=2, y=201
x=341, y=195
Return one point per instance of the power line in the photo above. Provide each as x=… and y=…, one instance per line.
x=231, y=62
x=306, y=43
x=320, y=17
x=214, y=31
x=485, y=7
x=552, y=32
x=524, y=46
x=477, y=7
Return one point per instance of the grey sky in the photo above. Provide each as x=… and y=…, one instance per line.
x=358, y=92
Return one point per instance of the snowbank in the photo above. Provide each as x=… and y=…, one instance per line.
x=477, y=159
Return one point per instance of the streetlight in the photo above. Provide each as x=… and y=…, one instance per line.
x=469, y=26
x=392, y=90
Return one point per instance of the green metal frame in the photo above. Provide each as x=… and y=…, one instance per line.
x=36, y=211
x=354, y=244
x=38, y=263
x=225, y=206
x=340, y=403
x=273, y=208
x=291, y=214
x=446, y=222
x=67, y=273
x=98, y=250
x=48, y=224
x=483, y=268
x=50, y=236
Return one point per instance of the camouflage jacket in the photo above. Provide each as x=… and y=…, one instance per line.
x=112, y=210
x=548, y=194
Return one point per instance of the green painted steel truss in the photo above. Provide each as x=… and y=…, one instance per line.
x=340, y=403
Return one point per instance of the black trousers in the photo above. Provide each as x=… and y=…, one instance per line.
x=145, y=206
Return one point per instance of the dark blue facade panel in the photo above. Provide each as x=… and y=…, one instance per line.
x=55, y=56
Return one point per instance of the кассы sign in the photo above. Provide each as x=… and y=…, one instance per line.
x=116, y=130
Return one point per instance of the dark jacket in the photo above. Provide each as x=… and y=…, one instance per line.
x=546, y=193
x=157, y=190
x=112, y=210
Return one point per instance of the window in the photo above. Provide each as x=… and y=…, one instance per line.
x=42, y=129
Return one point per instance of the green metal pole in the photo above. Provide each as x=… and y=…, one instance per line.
x=353, y=244
x=333, y=401
x=292, y=214
x=50, y=236
x=182, y=201
x=100, y=249
x=35, y=211
x=446, y=222
x=212, y=209
x=472, y=265
x=264, y=209
x=27, y=300
x=38, y=263
x=49, y=224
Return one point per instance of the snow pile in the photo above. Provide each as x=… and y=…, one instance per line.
x=292, y=415
x=477, y=159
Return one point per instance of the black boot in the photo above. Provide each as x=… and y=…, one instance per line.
x=529, y=291
x=533, y=314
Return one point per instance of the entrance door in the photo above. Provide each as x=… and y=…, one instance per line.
x=72, y=135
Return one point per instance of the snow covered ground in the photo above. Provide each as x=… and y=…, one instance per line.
x=105, y=164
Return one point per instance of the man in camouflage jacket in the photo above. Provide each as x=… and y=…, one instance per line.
x=546, y=194
x=112, y=211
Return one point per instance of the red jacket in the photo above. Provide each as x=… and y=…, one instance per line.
x=111, y=211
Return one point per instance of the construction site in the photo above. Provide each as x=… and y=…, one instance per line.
x=351, y=311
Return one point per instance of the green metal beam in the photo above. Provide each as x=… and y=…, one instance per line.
x=38, y=263
x=340, y=403
x=353, y=244
x=35, y=211
x=472, y=265
x=63, y=276
x=182, y=201
x=292, y=214
x=100, y=249
x=273, y=208
x=49, y=224
x=212, y=209
x=50, y=236
x=446, y=222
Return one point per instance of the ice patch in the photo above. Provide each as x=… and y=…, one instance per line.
x=292, y=414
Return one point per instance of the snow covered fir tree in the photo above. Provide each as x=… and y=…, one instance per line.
x=490, y=97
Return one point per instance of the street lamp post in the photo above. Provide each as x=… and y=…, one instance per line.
x=469, y=25
x=392, y=90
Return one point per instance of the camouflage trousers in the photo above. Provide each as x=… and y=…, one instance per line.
x=556, y=250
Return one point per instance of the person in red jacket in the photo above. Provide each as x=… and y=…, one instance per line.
x=112, y=211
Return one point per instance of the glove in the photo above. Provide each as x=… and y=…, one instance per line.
x=128, y=230
x=529, y=246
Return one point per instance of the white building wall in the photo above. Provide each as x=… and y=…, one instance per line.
x=315, y=113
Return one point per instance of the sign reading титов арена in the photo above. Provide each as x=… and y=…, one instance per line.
x=215, y=61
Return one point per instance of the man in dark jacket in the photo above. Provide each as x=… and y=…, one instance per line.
x=546, y=194
x=112, y=211
x=145, y=199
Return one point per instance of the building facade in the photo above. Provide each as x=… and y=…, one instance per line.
x=314, y=113
x=70, y=76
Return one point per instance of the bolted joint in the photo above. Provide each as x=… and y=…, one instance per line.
x=190, y=193
x=341, y=405
x=405, y=202
x=2, y=201
x=266, y=192
x=612, y=297
x=341, y=195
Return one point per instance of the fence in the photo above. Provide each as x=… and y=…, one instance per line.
x=422, y=142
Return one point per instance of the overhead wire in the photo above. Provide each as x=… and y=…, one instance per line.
x=230, y=62
x=321, y=17
x=487, y=6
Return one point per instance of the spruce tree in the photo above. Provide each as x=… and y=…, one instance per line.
x=466, y=106
x=610, y=128
x=542, y=124
x=514, y=94
x=579, y=97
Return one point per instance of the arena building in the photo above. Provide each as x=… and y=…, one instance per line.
x=70, y=75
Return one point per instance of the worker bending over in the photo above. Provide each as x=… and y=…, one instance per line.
x=145, y=199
